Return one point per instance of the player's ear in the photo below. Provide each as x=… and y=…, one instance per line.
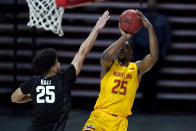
x=53, y=69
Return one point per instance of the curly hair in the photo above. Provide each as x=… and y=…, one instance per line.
x=44, y=60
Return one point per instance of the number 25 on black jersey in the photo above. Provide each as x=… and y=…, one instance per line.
x=45, y=94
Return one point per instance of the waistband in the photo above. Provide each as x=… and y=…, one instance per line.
x=110, y=114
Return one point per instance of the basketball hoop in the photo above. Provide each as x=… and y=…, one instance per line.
x=48, y=14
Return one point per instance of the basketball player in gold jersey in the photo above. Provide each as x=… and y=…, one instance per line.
x=119, y=82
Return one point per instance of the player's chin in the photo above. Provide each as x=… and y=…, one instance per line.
x=121, y=57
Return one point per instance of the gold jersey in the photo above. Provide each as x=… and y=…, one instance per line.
x=118, y=90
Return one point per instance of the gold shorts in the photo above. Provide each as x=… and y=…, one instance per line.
x=102, y=121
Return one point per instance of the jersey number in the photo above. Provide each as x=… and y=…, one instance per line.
x=120, y=84
x=46, y=91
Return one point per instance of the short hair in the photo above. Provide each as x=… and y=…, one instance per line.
x=44, y=60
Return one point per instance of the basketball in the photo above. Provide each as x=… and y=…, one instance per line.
x=129, y=21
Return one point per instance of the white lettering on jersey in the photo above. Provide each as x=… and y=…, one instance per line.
x=45, y=82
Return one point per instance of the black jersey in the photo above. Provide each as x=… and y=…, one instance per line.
x=51, y=99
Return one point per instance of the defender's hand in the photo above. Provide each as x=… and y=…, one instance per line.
x=145, y=21
x=102, y=20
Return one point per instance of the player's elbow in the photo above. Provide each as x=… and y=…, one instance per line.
x=14, y=99
x=156, y=57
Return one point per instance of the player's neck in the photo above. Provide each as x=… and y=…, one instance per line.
x=123, y=62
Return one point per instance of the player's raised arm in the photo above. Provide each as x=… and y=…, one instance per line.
x=108, y=55
x=89, y=42
x=149, y=60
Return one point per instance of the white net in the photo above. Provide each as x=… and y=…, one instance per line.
x=45, y=14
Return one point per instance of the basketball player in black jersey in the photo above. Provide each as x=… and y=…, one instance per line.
x=51, y=91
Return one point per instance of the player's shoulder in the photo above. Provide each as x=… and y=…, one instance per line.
x=28, y=84
x=33, y=79
x=134, y=64
x=68, y=71
x=69, y=67
x=138, y=64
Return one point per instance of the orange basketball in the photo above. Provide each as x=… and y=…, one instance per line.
x=129, y=21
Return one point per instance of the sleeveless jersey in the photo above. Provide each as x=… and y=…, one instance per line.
x=118, y=90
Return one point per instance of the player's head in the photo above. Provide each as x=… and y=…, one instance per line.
x=126, y=51
x=46, y=62
x=152, y=5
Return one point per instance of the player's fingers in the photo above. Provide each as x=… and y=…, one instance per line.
x=139, y=12
x=129, y=36
x=139, y=17
x=142, y=15
x=104, y=20
x=146, y=20
x=106, y=13
x=122, y=32
x=108, y=17
x=103, y=15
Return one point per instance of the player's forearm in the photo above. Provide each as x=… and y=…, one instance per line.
x=89, y=42
x=154, y=46
x=109, y=53
x=24, y=100
x=21, y=100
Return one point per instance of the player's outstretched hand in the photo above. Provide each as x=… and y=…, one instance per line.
x=145, y=21
x=123, y=34
x=102, y=20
